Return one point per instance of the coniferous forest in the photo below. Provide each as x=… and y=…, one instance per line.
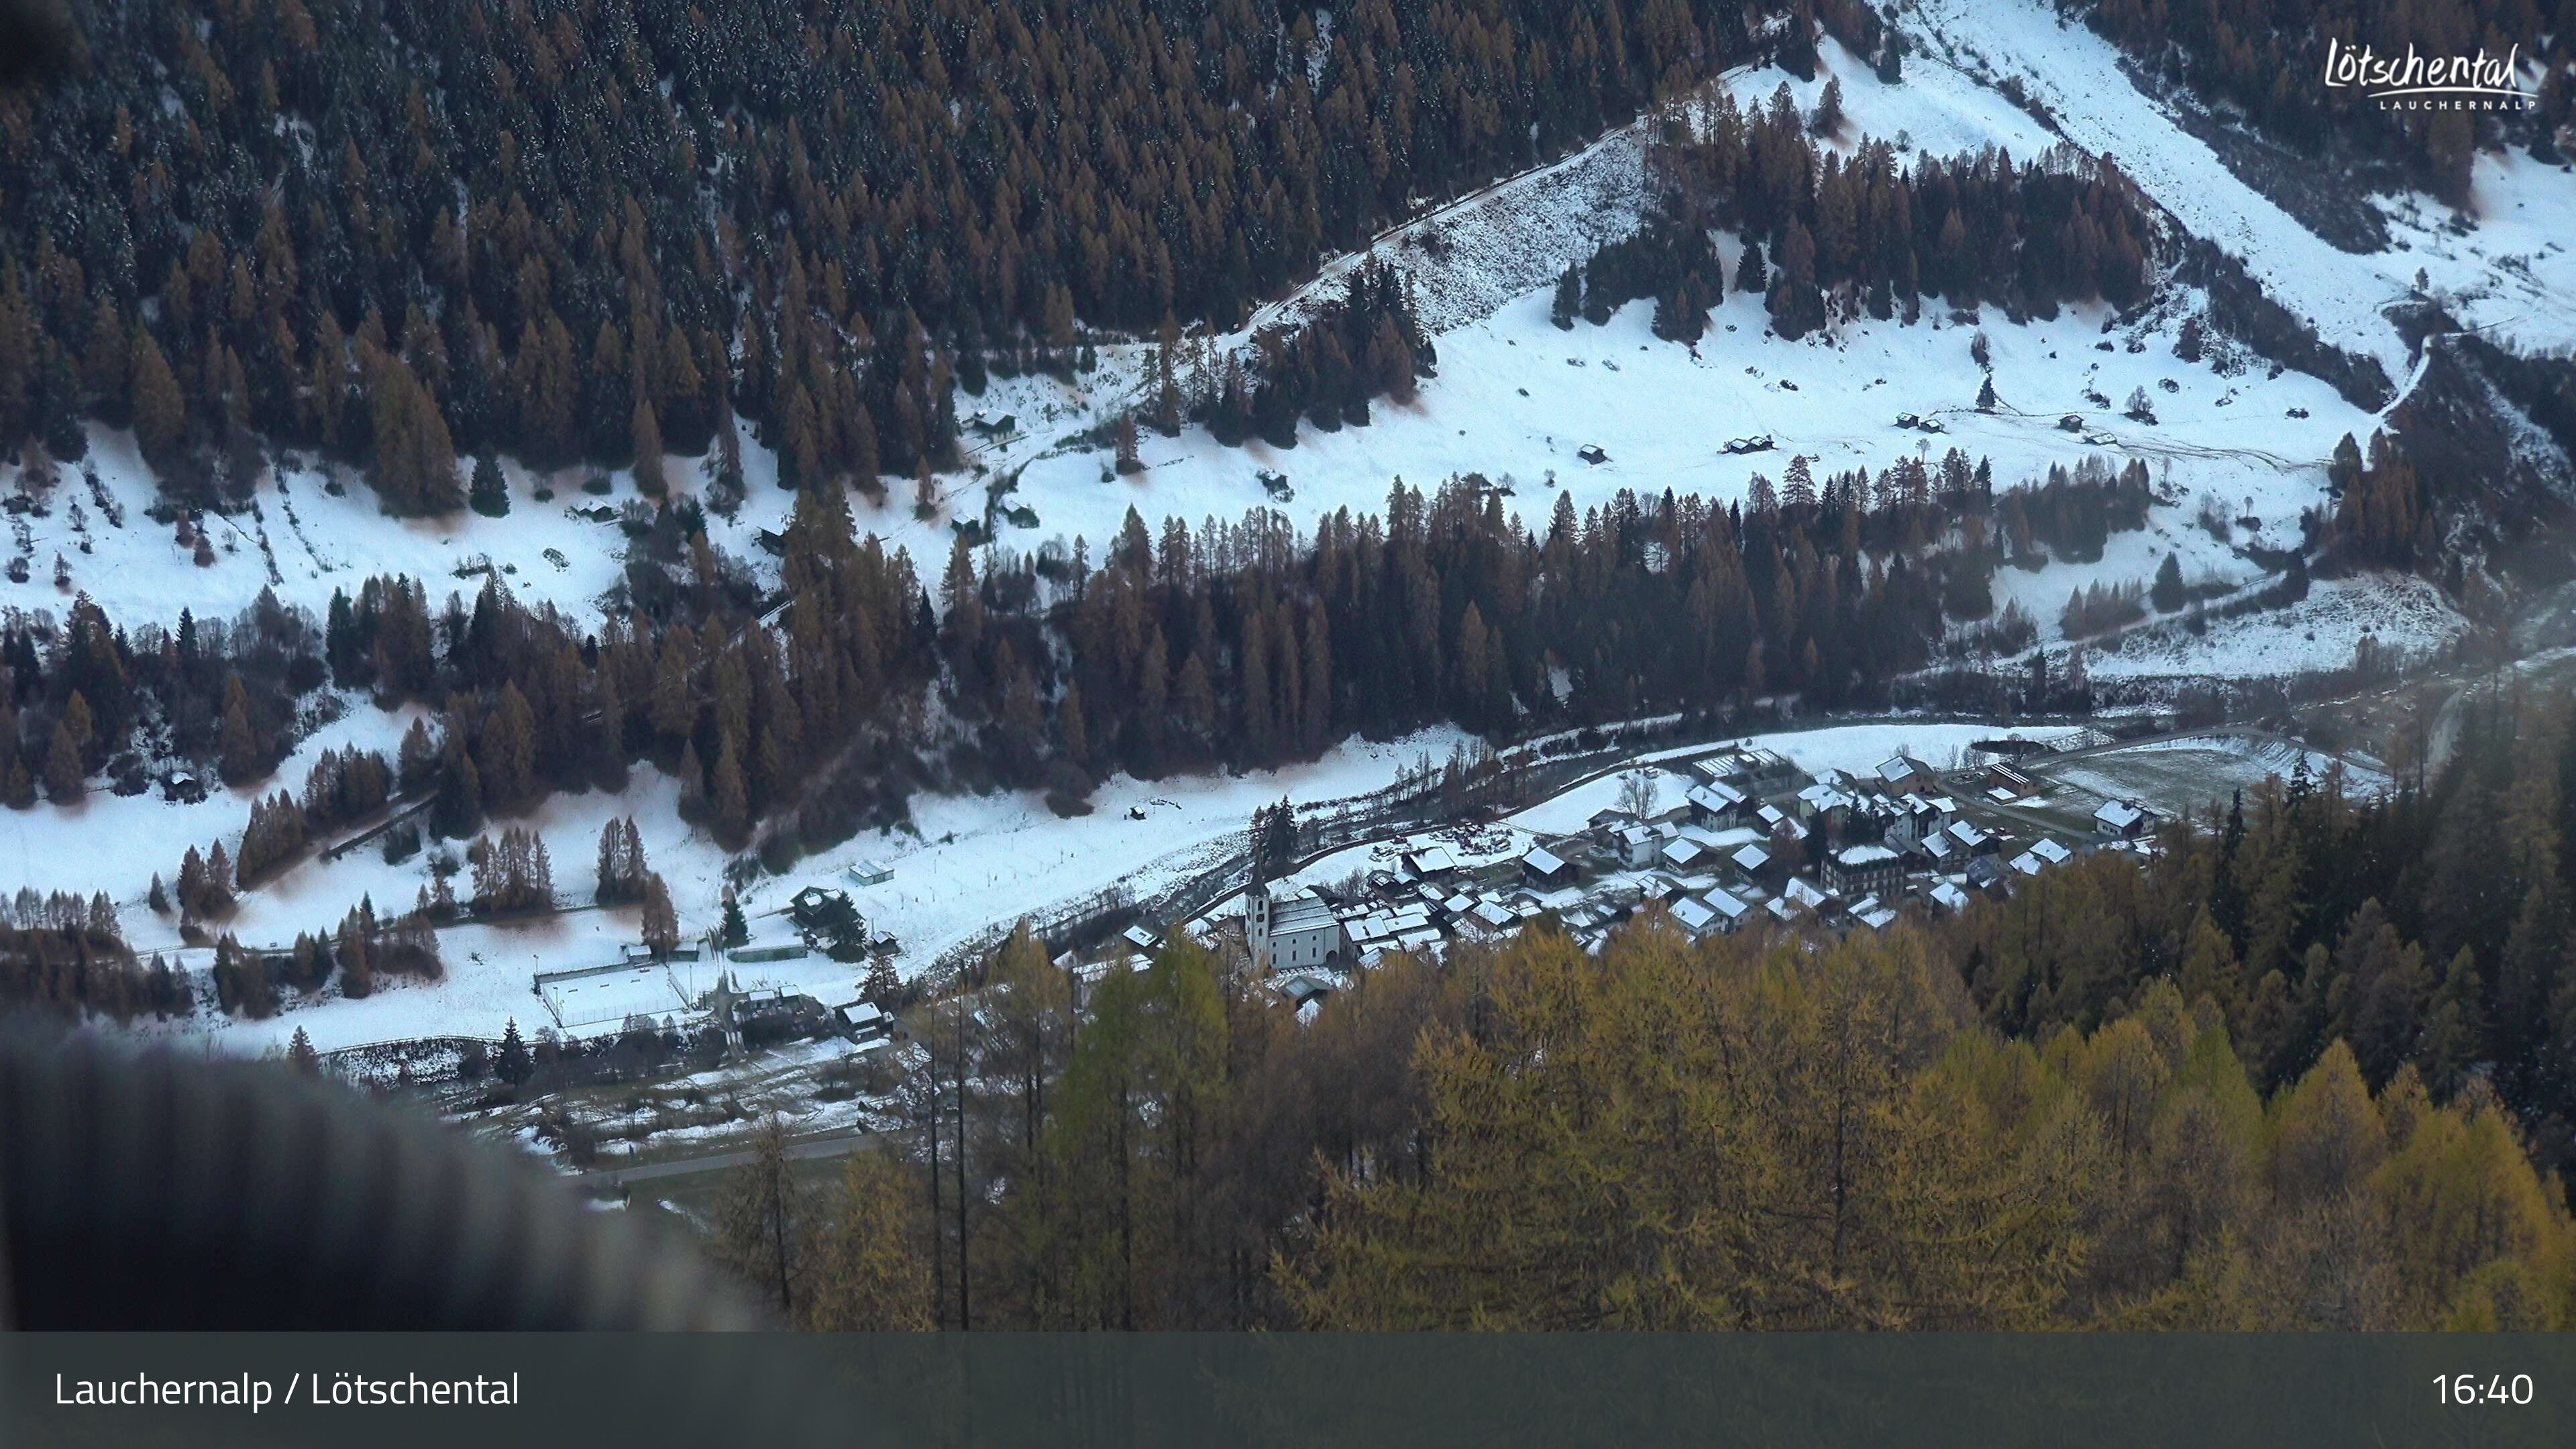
x=397, y=232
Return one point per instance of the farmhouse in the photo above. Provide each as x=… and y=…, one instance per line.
x=1731, y=909
x=2120, y=820
x=1545, y=870
x=1902, y=772
x=1714, y=804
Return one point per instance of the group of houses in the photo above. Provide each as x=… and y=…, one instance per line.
x=1753, y=842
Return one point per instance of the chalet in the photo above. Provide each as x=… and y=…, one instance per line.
x=1806, y=897
x=1684, y=853
x=1938, y=850
x=1542, y=868
x=1770, y=818
x=1591, y=453
x=1968, y=837
x=863, y=1021
x=1695, y=917
x=1986, y=872
x=1637, y=845
x=1732, y=910
x=2043, y=853
x=1288, y=927
x=829, y=920
x=1825, y=802
x=1949, y=897
x=1863, y=869
x=1140, y=936
x=870, y=872
x=1901, y=772
x=1752, y=860
x=1716, y=804
x=1431, y=863
x=2119, y=820
x=1493, y=919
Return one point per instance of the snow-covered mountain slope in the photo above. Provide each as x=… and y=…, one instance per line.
x=1516, y=397
x=2511, y=274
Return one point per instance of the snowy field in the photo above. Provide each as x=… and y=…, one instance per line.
x=2513, y=274
x=2322, y=631
x=978, y=861
x=2188, y=775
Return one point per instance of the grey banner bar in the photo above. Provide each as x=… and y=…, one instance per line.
x=1413, y=1391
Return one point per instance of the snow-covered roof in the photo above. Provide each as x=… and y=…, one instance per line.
x=2050, y=851
x=1680, y=853
x=2118, y=814
x=1539, y=858
x=1855, y=857
x=1804, y=894
x=1429, y=860
x=1727, y=903
x=1949, y=897
x=2027, y=863
x=1692, y=916
x=1750, y=859
x=1877, y=918
x=1937, y=845
x=1302, y=911
x=1966, y=833
x=1717, y=798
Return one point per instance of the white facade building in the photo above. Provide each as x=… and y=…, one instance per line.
x=1292, y=928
